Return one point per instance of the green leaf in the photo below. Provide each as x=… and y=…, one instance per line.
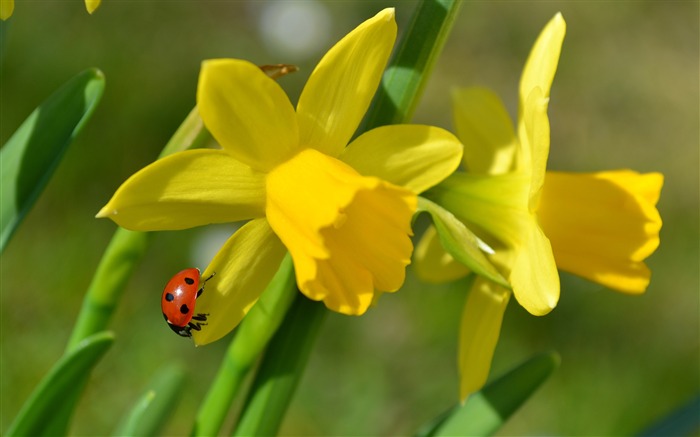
x=683, y=421
x=31, y=155
x=151, y=411
x=407, y=72
x=49, y=407
x=486, y=411
x=460, y=242
x=282, y=368
x=253, y=334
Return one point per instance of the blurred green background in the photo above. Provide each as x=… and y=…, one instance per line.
x=626, y=96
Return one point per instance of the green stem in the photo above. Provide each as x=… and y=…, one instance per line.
x=281, y=369
x=126, y=249
x=253, y=334
x=402, y=84
x=407, y=73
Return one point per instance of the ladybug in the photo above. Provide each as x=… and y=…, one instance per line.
x=178, y=301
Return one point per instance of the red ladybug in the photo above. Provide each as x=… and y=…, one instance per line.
x=178, y=301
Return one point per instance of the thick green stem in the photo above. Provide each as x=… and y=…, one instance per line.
x=281, y=369
x=253, y=334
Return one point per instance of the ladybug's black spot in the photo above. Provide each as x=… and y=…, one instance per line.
x=189, y=281
x=169, y=297
x=184, y=309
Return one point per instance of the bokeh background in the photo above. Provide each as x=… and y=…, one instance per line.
x=625, y=96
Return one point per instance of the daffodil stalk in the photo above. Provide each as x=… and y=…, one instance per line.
x=600, y=226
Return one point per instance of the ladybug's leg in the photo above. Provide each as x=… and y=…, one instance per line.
x=200, y=317
x=201, y=289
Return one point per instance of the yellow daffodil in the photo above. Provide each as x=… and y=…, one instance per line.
x=600, y=226
x=344, y=213
x=8, y=6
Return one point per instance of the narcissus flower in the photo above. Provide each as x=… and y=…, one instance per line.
x=344, y=213
x=8, y=6
x=600, y=226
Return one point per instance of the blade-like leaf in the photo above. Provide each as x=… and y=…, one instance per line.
x=405, y=76
x=460, y=242
x=31, y=155
x=683, y=421
x=50, y=405
x=486, y=411
x=151, y=411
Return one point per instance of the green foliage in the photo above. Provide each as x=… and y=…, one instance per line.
x=683, y=421
x=409, y=69
x=253, y=334
x=281, y=369
x=48, y=410
x=31, y=155
x=486, y=411
x=153, y=409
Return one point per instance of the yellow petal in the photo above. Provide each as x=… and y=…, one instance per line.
x=486, y=130
x=92, y=5
x=244, y=266
x=247, y=113
x=432, y=263
x=533, y=132
x=541, y=64
x=478, y=333
x=6, y=9
x=188, y=189
x=348, y=234
x=534, y=275
x=603, y=225
x=341, y=87
x=411, y=156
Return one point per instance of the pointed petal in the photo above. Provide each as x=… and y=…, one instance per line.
x=188, y=189
x=534, y=143
x=6, y=9
x=478, y=333
x=432, y=263
x=603, y=225
x=486, y=130
x=341, y=87
x=244, y=266
x=534, y=275
x=247, y=113
x=412, y=156
x=92, y=5
x=542, y=62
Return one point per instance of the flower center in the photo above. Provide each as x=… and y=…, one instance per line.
x=349, y=235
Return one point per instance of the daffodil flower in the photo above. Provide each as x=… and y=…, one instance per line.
x=8, y=6
x=600, y=226
x=344, y=213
